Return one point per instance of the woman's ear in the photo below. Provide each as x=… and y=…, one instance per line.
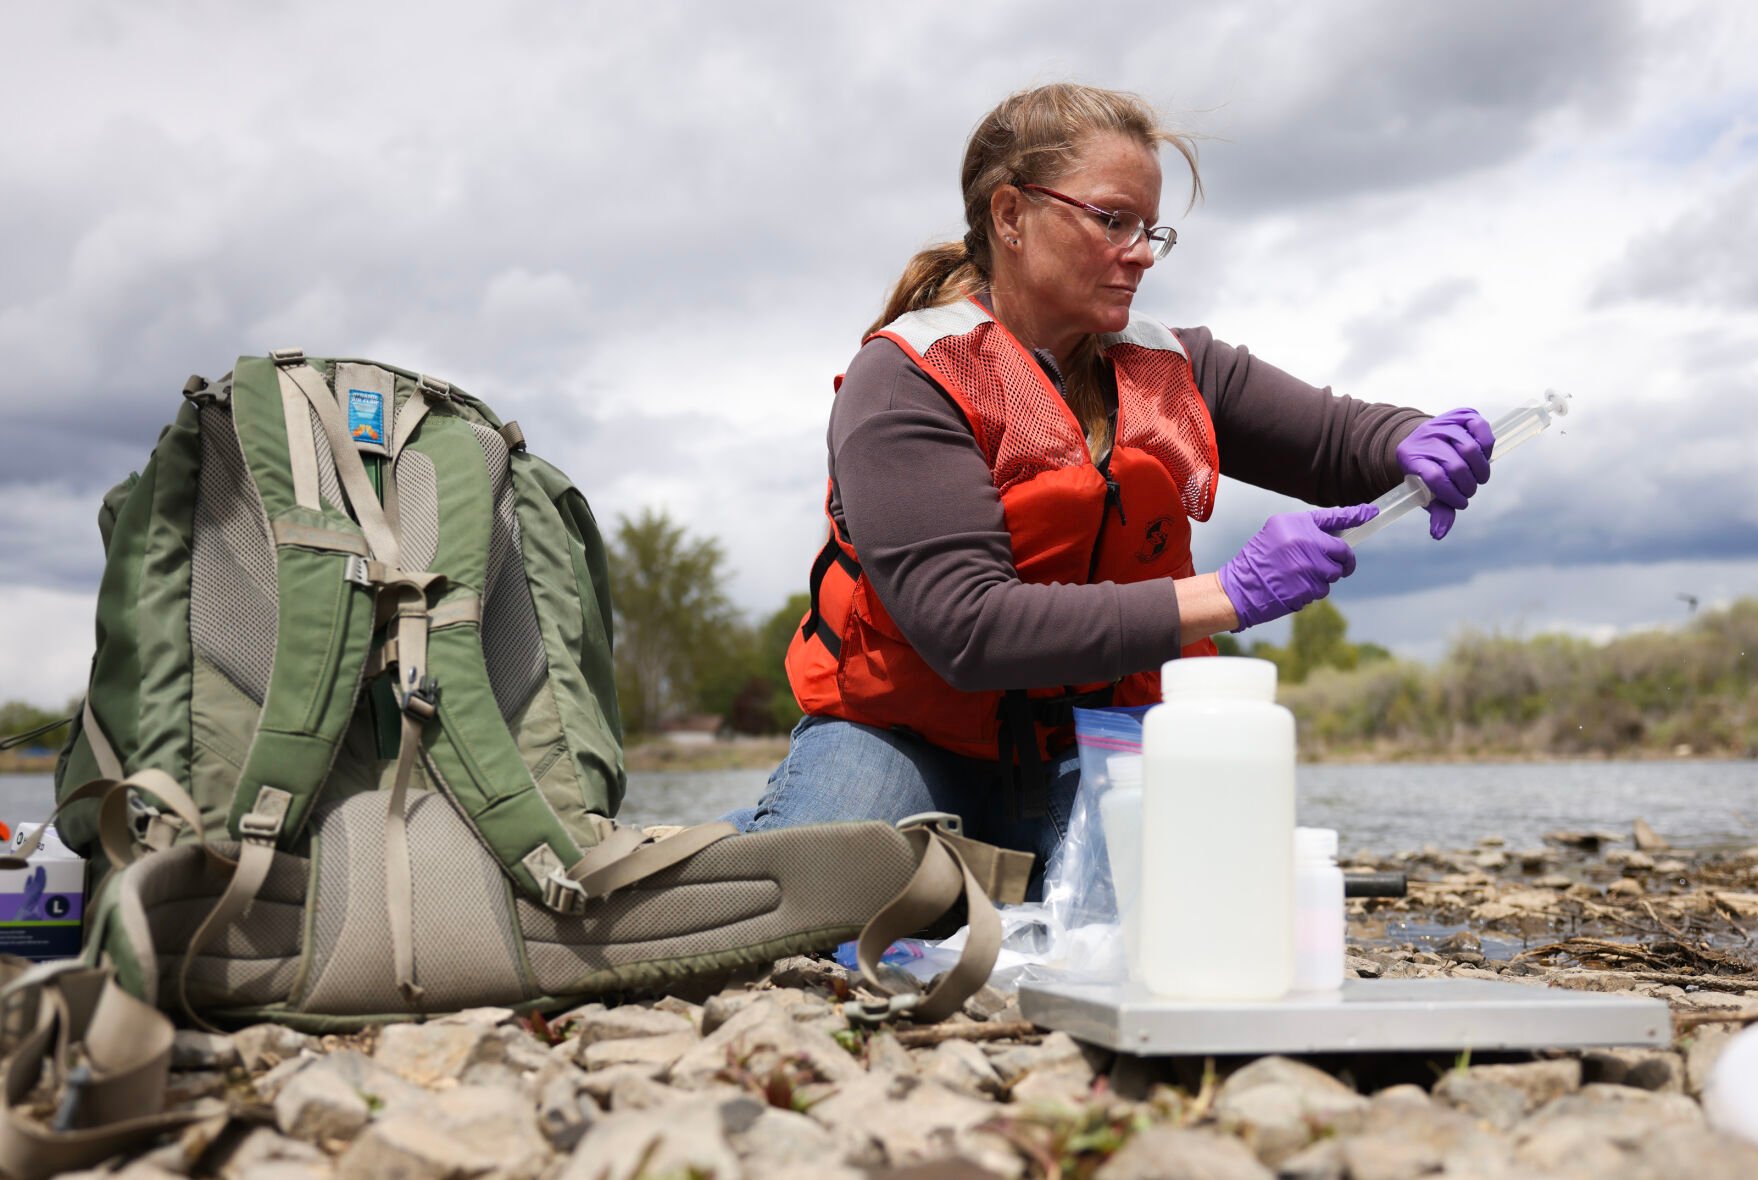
x=1007, y=206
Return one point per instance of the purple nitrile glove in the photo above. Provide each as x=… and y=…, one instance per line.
x=1450, y=454
x=1292, y=561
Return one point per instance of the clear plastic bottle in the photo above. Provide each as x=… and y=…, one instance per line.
x=1319, y=921
x=1120, y=815
x=1217, y=901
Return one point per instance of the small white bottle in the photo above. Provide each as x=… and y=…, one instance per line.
x=1319, y=921
x=1217, y=900
x=1120, y=815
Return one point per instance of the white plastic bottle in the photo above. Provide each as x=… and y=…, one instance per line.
x=1217, y=902
x=1319, y=921
x=1120, y=815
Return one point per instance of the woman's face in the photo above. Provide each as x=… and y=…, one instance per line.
x=1071, y=274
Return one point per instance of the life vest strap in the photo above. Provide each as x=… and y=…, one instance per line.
x=814, y=624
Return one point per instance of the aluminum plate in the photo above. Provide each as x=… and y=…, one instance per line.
x=1388, y=1015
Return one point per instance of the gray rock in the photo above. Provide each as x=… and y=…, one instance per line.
x=262, y=1046
x=1539, y=1081
x=777, y=1139
x=261, y=1147
x=635, y=1092
x=660, y=1051
x=192, y=1049
x=521, y=1050
x=1057, y=1050
x=804, y=971
x=1705, y=1045
x=1707, y=1155
x=760, y=1040
x=493, y=1122
x=1645, y=1069
x=600, y=1084
x=1402, y=1136
x=1320, y=1161
x=628, y=1023
x=319, y=1106
x=885, y=1055
x=1278, y=1106
x=381, y=1088
x=684, y=1138
x=1496, y=1103
x=564, y=1109
x=408, y=1147
x=987, y=1004
x=898, y=1120
x=1172, y=1153
x=1588, y=1130
x=678, y=1006
x=184, y=1087
x=961, y=1066
x=1645, y=838
x=428, y=1054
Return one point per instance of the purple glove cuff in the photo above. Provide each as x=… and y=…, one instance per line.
x=1291, y=561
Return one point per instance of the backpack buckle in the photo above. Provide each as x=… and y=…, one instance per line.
x=433, y=389
x=873, y=1013
x=563, y=895
x=287, y=356
x=939, y=821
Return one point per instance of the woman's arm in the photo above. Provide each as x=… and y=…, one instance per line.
x=1277, y=432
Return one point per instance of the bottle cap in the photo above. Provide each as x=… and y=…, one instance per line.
x=1218, y=676
x=1315, y=843
x=1124, y=770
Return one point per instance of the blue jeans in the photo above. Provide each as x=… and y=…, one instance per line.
x=842, y=770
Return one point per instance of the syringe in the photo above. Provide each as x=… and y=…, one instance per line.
x=1515, y=427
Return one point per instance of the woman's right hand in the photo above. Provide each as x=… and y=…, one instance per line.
x=1292, y=561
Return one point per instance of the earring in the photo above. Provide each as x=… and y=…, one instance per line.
x=1013, y=241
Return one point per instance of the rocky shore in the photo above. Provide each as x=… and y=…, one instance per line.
x=766, y=1078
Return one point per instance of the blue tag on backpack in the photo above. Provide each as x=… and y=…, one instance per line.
x=366, y=420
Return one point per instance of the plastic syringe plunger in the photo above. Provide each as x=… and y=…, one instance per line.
x=1516, y=427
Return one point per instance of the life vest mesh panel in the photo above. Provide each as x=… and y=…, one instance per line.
x=1019, y=434
x=512, y=642
x=232, y=591
x=418, y=509
x=1180, y=436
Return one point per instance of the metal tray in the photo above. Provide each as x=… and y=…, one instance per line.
x=1387, y=1015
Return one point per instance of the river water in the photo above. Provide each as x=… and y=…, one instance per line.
x=1694, y=803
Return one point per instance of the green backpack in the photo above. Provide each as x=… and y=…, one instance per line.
x=286, y=549
x=351, y=746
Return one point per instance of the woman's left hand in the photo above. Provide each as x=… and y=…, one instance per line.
x=1450, y=454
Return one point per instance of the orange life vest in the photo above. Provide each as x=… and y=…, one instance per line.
x=1070, y=521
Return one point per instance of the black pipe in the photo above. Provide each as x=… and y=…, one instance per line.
x=1375, y=885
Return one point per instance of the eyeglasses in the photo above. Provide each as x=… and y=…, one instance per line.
x=1122, y=228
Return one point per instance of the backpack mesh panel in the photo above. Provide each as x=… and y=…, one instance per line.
x=252, y=962
x=417, y=509
x=1022, y=426
x=1179, y=434
x=512, y=643
x=329, y=484
x=232, y=592
x=465, y=952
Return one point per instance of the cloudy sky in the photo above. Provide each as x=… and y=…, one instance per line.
x=652, y=233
